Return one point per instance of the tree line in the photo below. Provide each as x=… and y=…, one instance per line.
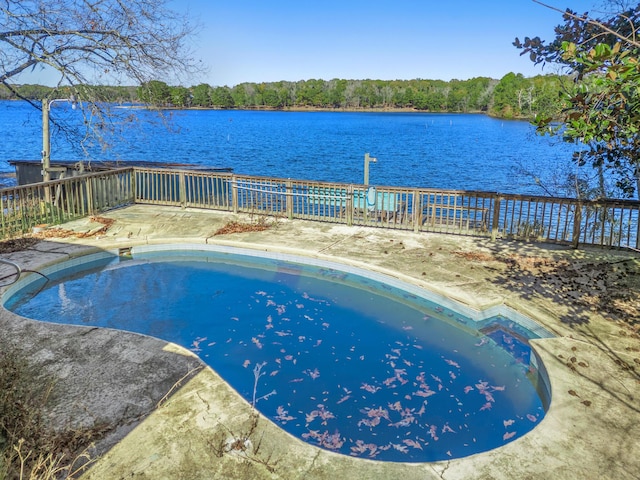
x=513, y=96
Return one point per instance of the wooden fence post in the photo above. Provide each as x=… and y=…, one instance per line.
x=416, y=210
x=90, y=205
x=132, y=183
x=183, y=190
x=349, y=205
x=234, y=193
x=289, y=198
x=577, y=224
x=495, y=222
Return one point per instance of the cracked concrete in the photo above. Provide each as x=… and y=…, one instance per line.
x=168, y=414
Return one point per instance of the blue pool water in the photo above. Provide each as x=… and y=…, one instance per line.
x=340, y=360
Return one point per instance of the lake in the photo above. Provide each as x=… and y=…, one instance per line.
x=450, y=151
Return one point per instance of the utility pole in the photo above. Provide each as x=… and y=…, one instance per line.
x=46, y=134
x=46, y=142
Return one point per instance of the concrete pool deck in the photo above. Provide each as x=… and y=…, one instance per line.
x=163, y=414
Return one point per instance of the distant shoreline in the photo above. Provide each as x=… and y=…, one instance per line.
x=337, y=110
x=142, y=106
x=347, y=110
x=321, y=109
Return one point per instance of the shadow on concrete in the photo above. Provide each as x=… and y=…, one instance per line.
x=583, y=284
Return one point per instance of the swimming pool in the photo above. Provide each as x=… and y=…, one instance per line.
x=346, y=359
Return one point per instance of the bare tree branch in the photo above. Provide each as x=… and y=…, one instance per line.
x=81, y=43
x=631, y=40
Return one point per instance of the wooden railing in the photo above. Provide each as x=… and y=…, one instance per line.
x=59, y=201
x=609, y=223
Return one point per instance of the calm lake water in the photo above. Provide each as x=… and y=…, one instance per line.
x=453, y=151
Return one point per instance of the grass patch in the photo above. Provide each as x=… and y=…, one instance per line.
x=29, y=448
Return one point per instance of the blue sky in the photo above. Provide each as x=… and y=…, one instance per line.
x=272, y=40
